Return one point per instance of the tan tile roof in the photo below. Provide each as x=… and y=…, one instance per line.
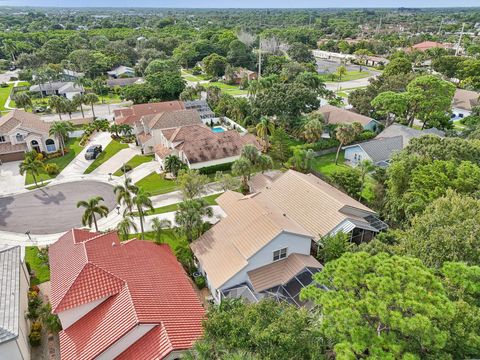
x=6, y=148
x=24, y=119
x=465, y=99
x=200, y=143
x=143, y=137
x=335, y=115
x=173, y=119
x=250, y=224
x=313, y=203
x=133, y=114
x=162, y=151
x=281, y=272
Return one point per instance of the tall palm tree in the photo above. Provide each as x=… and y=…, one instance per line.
x=345, y=134
x=158, y=225
x=31, y=165
x=91, y=99
x=265, y=127
x=60, y=129
x=189, y=217
x=251, y=153
x=243, y=167
x=78, y=100
x=22, y=100
x=125, y=193
x=56, y=102
x=92, y=206
x=142, y=201
x=125, y=225
x=173, y=164
x=312, y=130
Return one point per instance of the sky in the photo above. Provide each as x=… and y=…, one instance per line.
x=244, y=3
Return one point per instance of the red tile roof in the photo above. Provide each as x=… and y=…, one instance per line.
x=143, y=283
x=133, y=114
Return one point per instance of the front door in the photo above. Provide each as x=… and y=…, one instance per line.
x=35, y=146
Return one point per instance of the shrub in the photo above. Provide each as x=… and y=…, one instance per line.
x=52, y=169
x=349, y=180
x=35, y=338
x=322, y=144
x=200, y=282
x=36, y=326
x=126, y=168
x=207, y=170
x=366, y=135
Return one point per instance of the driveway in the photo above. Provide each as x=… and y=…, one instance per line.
x=117, y=161
x=10, y=179
x=51, y=209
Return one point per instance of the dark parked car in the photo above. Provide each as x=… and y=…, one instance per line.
x=93, y=152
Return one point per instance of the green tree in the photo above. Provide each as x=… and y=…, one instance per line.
x=362, y=56
x=78, y=100
x=265, y=127
x=348, y=180
x=91, y=99
x=215, y=65
x=280, y=148
x=244, y=168
x=22, y=100
x=331, y=247
x=125, y=226
x=381, y=306
x=57, y=103
x=124, y=193
x=192, y=184
x=92, y=207
x=393, y=106
x=345, y=134
x=227, y=181
x=312, y=129
x=365, y=167
x=301, y=159
x=31, y=165
x=301, y=53
x=341, y=72
x=173, y=164
x=60, y=130
x=399, y=65
x=189, y=217
x=142, y=202
x=158, y=225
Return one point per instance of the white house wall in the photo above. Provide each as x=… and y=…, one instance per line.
x=214, y=162
x=125, y=342
x=11, y=351
x=457, y=112
x=358, y=151
x=70, y=316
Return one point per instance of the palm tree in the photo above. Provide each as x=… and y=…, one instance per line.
x=345, y=134
x=125, y=225
x=22, y=100
x=189, y=217
x=251, y=153
x=78, y=100
x=312, y=130
x=91, y=99
x=173, y=164
x=31, y=165
x=92, y=206
x=56, y=102
x=124, y=193
x=142, y=201
x=264, y=128
x=158, y=225
x=60, y=129
x=243, y=167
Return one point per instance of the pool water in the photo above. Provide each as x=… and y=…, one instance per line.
x=218, y=129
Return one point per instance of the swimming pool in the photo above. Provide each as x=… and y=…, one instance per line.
x=218, y=129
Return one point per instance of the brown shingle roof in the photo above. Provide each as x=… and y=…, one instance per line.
x=280, y=272
x=6, y=148
x=133, y=114
x=335, y=115
x=23, y=119
x=173, y=119
x=162, y=151
x=465, y=99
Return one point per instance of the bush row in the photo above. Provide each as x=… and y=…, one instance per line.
x=207, y=170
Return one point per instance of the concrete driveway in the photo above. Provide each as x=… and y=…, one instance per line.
x=51, y=209
x=10, y=179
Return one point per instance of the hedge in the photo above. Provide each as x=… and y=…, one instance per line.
x=207, y=170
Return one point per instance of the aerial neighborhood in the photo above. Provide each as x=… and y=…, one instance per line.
x=180, y=183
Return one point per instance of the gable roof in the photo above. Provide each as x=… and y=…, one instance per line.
x=425, y=45
x=142, y=282
x=250, y=224
x=123, y=81
x=466, y=99
x=119, y=70
x=61, y=86
x=380, y=149
x=20, y=118
x=173, y=119
x=335, y=115
x=133, y=114
x=10, y=263
x=407, y=133
x=199, y=143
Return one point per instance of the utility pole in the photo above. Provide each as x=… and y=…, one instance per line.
x=260, y=57
x=457, y=50
x=440, y=28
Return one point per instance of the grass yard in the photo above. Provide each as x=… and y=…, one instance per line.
x=228, y=89
x=169, y=236
x=156, y=184
x=62, y=161
x=4, y=94
x=41, y=270
x=351, y=75
x=210, y=199
x=134, y=162
x=109, y=99
x=111, y=149
x=326, y=164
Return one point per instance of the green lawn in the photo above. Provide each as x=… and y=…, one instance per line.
x=62, y=161
x=134, y=162
x=156, y=184
x=109, y=99
x=41, y=270
x=169, y=236
x=111, y=149
x=210, y=199
x=4, y=94
x=326, y=164
x=228, y=89
x=351, y=75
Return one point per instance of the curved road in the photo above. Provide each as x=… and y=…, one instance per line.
x=51, y=209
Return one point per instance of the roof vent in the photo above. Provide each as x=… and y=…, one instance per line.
x=113, y=243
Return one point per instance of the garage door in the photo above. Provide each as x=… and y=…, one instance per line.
x=15, y=156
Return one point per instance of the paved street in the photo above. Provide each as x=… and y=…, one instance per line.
x=104, y=111
x=51, y=209
x=10, y=179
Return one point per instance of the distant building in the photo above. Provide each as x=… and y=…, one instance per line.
x=240, y=74
x=427, y=45
x=70, y=75
x=134, y=113
x=121, y=82
x=463, y=103
x=121, y=71
x=338, y=116
x=14, y=285
x=61, y=88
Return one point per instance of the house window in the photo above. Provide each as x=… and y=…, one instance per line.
x=50, y=145
x=19, y=137
x=2, y=139
x=280, y=254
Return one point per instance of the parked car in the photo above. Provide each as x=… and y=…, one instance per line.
x=93, y=152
